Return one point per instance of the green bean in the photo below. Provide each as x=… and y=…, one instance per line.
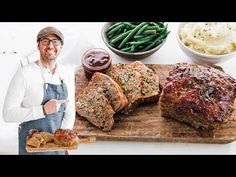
x=165, y=35
x=132, y=48
x=129, y=24
x=113, y=26
x=119, y=31
x=140, y=47
x=113, y=45
x=153, y=23
x=153, y=28
x=139, y=42
x=110, y=36
x=120, y=37
x=149, y=42
x=148, y=37
x=161, y=24
x=163, y=30
x=149, y=46
x=149, y=32
x=143, y=41
x=126, y=49
x=113, y=37
x=137, y=37
x=159, y=42
x=115, y=29
x=156, y=41
x=116, y=33
x=131, y=34
x=142, y=29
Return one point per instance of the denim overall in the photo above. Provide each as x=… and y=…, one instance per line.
x=50, y=122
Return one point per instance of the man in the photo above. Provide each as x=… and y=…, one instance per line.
x=41, y=94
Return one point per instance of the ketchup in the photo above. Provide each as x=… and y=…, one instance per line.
x=95, y=60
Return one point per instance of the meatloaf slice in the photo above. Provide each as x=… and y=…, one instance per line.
x=150, y=82
x=95, y=107
x=140, y=83
x=199, y=95
x=111, y=89
x=130, y=81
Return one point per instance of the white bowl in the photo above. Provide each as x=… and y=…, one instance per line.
x=198, y=57
x=135, y=55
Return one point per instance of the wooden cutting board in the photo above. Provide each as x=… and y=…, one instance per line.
x=54, y=147
x=147, y=124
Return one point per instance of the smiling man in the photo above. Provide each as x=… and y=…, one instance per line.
x=41, y=94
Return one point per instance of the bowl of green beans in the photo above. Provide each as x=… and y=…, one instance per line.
x=134, y=40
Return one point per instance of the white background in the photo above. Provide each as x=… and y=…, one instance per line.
x=18, y=42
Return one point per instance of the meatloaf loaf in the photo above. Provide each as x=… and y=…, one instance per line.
x=199, y=95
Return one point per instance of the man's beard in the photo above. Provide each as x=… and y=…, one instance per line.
x=50, y=54
x=52, y=58
x=49, y=58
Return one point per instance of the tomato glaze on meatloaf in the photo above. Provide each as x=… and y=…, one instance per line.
x=199, y=95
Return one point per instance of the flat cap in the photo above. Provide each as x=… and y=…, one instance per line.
x=50, y=30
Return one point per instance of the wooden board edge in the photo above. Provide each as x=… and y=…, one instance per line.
x=54, y=147
x=197, y=140
x=47, y=149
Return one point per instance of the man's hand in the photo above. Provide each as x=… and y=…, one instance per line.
x=53, y=106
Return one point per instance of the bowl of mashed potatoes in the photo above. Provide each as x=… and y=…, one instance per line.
x=207, y=42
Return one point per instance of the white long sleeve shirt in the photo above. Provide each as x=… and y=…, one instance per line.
x=25, y=94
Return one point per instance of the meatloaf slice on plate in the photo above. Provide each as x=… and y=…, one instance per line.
x=199, y=95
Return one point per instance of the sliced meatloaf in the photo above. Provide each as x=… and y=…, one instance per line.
x=111, y=89
x=199, y=95
x=150, y=82
x=130, y=81
x=140, y=84
x=95, y=107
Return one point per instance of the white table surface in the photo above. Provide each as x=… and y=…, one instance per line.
x=78, y=38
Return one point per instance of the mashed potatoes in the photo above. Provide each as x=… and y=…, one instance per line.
x=210, y=38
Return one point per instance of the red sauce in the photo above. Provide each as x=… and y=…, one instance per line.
x=96, y=60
